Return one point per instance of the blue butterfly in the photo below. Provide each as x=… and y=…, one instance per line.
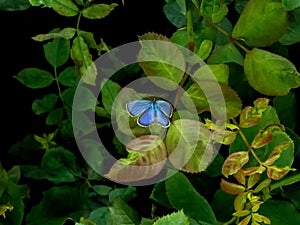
x=155, y=111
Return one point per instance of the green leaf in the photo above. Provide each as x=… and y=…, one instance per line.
x=27, y=147
x=64, y=8
x=102, y=112
x=181, y=193
x=213, y=100
x=98, y=11
x=34, y=172
x=162, y=60
x=292, y=35
x=102, y=189
x=93, y=155
x=293, y=193
x=126, y=194
x=214, y=10
x=274, y=209
x=240, y=5
x=159, y=194
x=205, y=49
x=146, y=158
x=270, y=74
x=121, y=213
x=14, y=174
x=35, y=78
x=189, y=147
x=68, y=96
x=16, y=5
x=226, y=54
x=58, y=204
x=89, y=38
x=290, y=5
x=13, y=196
x=57, y=51
x=222, y=204
x=109, y=92
x=258, y=31
x=146, y=221
x=219, y=71
x=40, y=106
x=66, y=33
x=101, y=216
x=286, y=109
x=85, y=99
x=83, y=60
x=61, y=165
x=69, y=77
x=174, y=14
x=55, y=117
x=215, y=168
x=175, y=218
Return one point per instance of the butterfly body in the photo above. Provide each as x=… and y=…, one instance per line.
x=149, y=112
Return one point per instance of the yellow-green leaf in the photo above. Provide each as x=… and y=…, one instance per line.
x=83, y=60
x=160, y=58
x=66, y=33
x=234, y=162
x=277, y=173
x=189, y=146
x=232, y=188
x=219, y=72
x=269, y=73
x=213, y=99
x=98, y=11
x=259, y=21
x=245, y=221
x=277, y=152
x=64, y=8
x=251, y=116
x=240, y=201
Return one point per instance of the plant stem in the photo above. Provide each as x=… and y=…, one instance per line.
x=286, y=181
x=190, y=26
x=59, y=89
x=191, y=45
x=250, y=149
x=233, y=40
x=232, y=220
x=78, y=22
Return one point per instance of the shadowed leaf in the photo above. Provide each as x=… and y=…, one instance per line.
x=146, y=158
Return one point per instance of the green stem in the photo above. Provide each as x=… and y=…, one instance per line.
x=250, y=149
x=59, y=89
x=232, y=220
x=285, y=181
x=191, y=45
x=190, y=26
x=233, y=40
x=78, y=22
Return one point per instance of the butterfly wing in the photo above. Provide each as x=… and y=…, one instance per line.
x=161, y=118
x=165, y=107
x=147, y=118
x=137, y=107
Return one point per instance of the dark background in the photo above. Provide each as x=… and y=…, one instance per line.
x=19, y=51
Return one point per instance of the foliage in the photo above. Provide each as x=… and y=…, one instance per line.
x=255, y=167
